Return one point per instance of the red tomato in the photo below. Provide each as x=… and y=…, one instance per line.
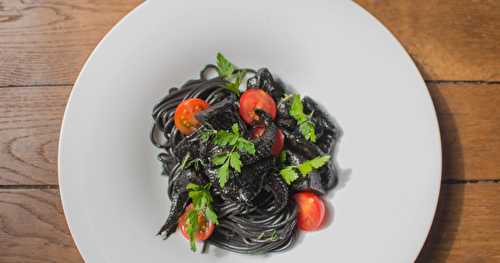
x=185, y=119
x=206, y=229
x=279, y=140
x=253, y=99
x=278, y=143
x=311, y=211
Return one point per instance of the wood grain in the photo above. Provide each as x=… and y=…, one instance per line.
x=466, y=229
x=469, y=118
x=30, y=118
x=33, y=228
x=48, y=41
x=44, y=43
x=467, y=225
x=448, y=39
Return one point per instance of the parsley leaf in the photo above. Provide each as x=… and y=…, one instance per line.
x=297, y=109
x=289, y=173
x=223, y=173
x=228, y=71
x=211, y=215
x=271, y=235
x=206, y=134
x=274, y=235
x=305, y=168
x=307, y=129
x=192, y=228
x=192, y=186
x=200, y=196
x=195, y=194
x=224, y=67
x=230, y=159
x=220, y=159
x=235, y=86
x=201, y=201
x=196, y=163
x=185, y=160
x=235, y=161
x=306, y=126
x=319, y=161
x=245, y=145
x=235, y=128
x=223, y=138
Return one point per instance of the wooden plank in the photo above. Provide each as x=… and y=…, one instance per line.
x=30, y=119
x=448, y=39
x=466, y=228
x=48, y=41
x=469, y=118
x=467, y=225
x=33, y=228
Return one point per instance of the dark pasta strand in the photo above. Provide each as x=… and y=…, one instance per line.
x=244, y=228
x=245, y=162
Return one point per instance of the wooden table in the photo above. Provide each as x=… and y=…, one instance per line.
x=455, y=44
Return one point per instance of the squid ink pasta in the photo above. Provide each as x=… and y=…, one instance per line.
x=247, y=160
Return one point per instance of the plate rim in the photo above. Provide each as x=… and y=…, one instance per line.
x=435, y=123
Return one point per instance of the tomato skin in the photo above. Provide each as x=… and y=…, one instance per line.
x=311, y=211
x=185, y=115
x=253, y=99
x=207, y=227
x=279, y=143
x=279, y=139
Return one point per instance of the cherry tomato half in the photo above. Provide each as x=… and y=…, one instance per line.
x=311, y=211
x=206, y=226
x=253, y=99
x=185, y=119
x=279, y=140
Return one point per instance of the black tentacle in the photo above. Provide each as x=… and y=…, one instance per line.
x=254, y=208
x=326, y=131
x=279, y=189
x=264, y=143
x=177, y=206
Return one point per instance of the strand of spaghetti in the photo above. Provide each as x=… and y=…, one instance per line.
x=244, y=228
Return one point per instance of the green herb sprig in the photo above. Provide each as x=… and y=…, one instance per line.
x=228, y=71
x=201, y=200
x=187, y=162
x=290, y=174
x=224, y=67
x=270, y=235
x=230, y=159
x=306, y=126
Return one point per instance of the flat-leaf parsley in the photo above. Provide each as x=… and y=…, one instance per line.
x=290, y=174
x=230, y=159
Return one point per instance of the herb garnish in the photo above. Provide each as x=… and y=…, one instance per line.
x=224, y=67
x=235, y=86
x=228, y=71
x=232, y=158
x=306, y=126
x=289, y=173
x=187, y=162
x=271, y=235
x=201, y=200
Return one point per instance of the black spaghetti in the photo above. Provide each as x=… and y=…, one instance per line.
x=238, y=164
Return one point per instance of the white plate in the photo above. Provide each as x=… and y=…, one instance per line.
x=114, y=197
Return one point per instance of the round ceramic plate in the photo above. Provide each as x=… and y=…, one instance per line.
x=389, y=155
